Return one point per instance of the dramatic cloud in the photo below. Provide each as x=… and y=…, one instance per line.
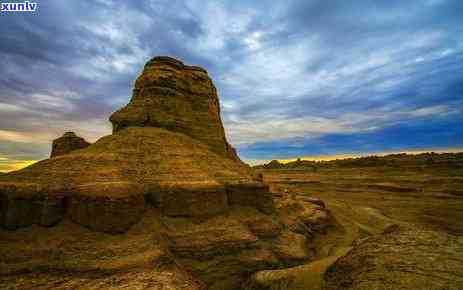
x=295, y=77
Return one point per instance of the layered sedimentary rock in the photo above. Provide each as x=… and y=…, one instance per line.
x=68, y=256
x=168, y=148
x=168, y=188
x=67, y=143
x=179, y=98
x=400, y=258
x=135, y=165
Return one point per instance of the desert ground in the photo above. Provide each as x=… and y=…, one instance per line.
x=365, y=200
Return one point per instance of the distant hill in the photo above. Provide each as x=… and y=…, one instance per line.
x=399, y=160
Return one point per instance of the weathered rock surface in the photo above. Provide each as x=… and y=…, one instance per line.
x=224, y=250
x=188, y=199
x=179, y=98
x=302, y=215
x=253, y=194
x=179, y=174
x=111, y=207
x=158, y=278
x=400, y=258
x=67, y=143
x=163, y=196
x=177, y=159
x=69, y=256
x=220, y=251
x=269, y=280
x=27, y=204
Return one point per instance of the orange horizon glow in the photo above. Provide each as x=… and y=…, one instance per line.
x=8, y=165
x=346, y=156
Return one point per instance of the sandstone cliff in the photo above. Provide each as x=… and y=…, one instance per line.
x=179, y=98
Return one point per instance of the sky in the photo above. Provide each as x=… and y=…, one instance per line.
x=295, y=78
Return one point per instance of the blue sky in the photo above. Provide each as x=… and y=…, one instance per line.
x=295, y=78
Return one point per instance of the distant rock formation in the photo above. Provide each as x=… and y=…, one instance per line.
x=429, y=159
x=67, y=143
x=166, y=179
x=274, y=164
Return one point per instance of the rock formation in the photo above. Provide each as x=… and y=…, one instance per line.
x=400, y=258
x=169, y=189
x=67, y=143
x=179, y=98
x=274, y=164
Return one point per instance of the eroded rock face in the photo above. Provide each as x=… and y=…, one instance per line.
x=91, y=207
x=67, y=143
x=302, y=215
x=27, y=204
x=184, y=200
x=179, y=98
x=400, y=258
x=269, y=280
x=221, y=252
x=225, y=250
x=160, y=278
x=68, y=256
x=254, y=194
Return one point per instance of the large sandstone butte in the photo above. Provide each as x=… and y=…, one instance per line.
x=162, y=203
x=179, y=98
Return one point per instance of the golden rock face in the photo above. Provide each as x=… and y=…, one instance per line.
x=179, y=98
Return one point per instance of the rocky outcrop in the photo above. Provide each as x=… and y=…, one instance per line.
x=224, y=250
x=302, y=215
x=157, y=278
x=269, y=280
x=91, y=206
x=166, y=186
x=168, y=148
x=400, y=258
x=67, y=143
x=179, y=98
x=68, y=256
x=274, y=164
x=190, y=200
x=254, y=194
x=221, y=251
x=27, y=204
